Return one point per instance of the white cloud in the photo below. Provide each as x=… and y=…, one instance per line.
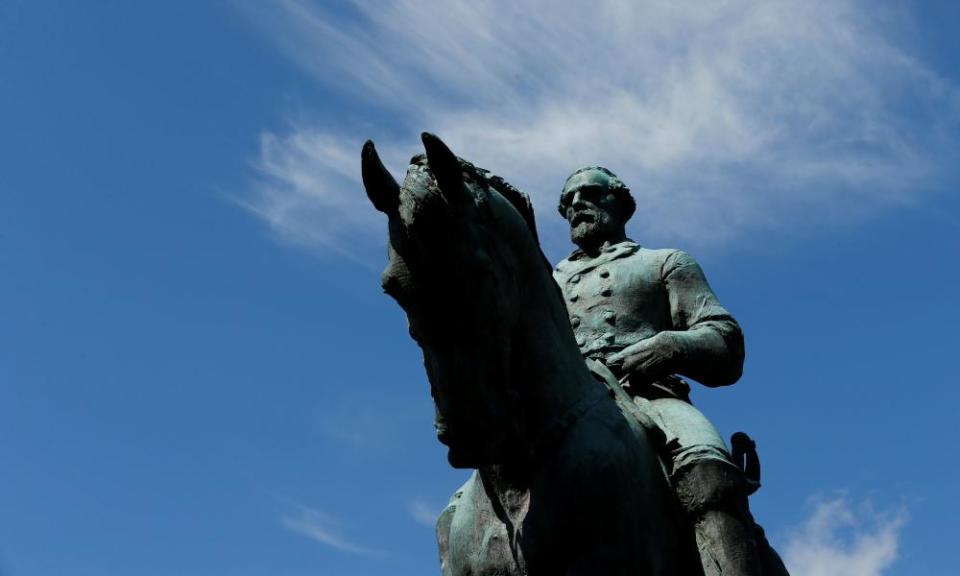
x=838, y=540
x=722, y=116
x=323, y=528
x=309, y=190
x=423, y=513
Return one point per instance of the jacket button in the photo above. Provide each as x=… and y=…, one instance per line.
x=604, y=273
x=606, y=292
x=610, y=317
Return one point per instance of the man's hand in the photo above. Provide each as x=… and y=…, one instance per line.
x=652, y=358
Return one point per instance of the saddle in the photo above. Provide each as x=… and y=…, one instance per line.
x=743, y=448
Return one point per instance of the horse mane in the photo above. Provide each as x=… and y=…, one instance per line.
x=517, y=198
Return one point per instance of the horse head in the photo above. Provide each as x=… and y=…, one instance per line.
x=461, y=243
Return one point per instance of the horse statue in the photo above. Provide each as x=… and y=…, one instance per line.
x=566, y=481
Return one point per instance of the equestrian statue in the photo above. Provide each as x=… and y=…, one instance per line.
x=561, y=388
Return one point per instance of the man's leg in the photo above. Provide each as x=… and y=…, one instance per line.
x=771, y=564
x=714, y=497
x=710, y=488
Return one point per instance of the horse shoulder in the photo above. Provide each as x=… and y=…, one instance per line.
x=614, y=487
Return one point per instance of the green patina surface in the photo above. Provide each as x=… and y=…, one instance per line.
x=569, y=404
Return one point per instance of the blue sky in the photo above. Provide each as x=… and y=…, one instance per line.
x=199, y=374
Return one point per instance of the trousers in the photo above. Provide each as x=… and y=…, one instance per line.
x=686, y=434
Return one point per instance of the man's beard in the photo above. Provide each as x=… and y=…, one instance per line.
x=592, y=230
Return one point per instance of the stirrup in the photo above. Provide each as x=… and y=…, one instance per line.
x=744, y=455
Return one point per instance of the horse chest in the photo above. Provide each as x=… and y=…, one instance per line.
x=493, y=553
x=491, y=538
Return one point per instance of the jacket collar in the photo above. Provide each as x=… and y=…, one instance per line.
x=579, y=262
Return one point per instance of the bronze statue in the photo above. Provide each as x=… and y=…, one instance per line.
x=648, y=316
x=568, y=476
x=565, y=483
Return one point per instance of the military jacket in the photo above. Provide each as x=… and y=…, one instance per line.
x=628, y=293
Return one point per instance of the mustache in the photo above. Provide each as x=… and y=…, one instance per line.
x=584, y=217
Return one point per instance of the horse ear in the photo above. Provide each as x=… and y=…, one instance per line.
x=382, y=189
x=445, y=167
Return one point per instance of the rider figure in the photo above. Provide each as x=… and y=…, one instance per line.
x=648, y=316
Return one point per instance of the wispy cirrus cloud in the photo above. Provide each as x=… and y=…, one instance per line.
x=322, y=528
x=722, y=116
x=839, y=539
x=423, y=513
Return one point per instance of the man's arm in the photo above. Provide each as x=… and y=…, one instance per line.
x=709, y=341
x=706, y=343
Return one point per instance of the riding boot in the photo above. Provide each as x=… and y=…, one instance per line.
x=771, y=564
x=714, y=496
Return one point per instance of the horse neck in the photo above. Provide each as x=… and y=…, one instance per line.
x=547, y=366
